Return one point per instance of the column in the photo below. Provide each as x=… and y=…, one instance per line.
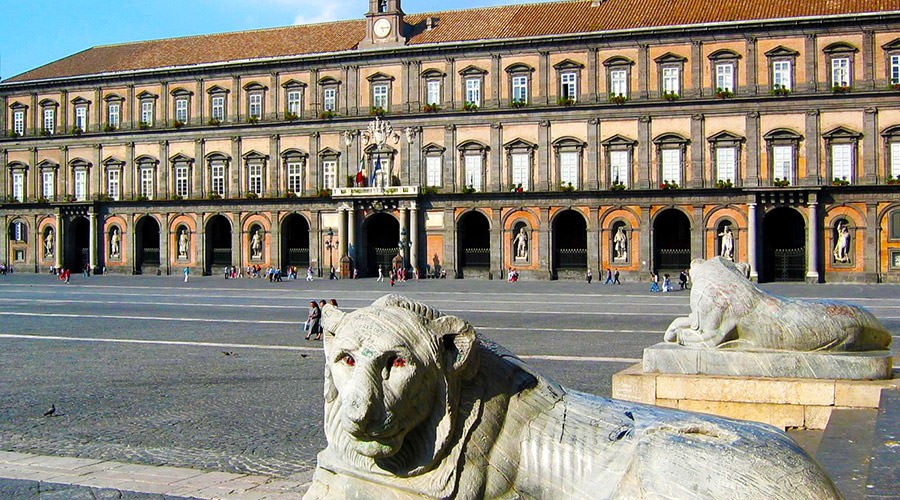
x=698, y=150
x=414, y=234
x=870, y=145
x=127, y=173
x=59, y=239
x=591, y=181
x=351, y=235
x=812, y=245
x=342, y=232
x=235, y=104
x=812, y=149
x=496, y=248
x=163, y=189
x=751, y=176
x=543, y=156
x=751, y=241
x=404, y=228
x=92, y=244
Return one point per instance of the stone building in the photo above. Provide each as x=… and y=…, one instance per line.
x=551, y=138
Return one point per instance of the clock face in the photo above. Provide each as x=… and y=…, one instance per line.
x=382, y=28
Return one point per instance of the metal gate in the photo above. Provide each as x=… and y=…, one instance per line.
x=673, y=258
x=383, y=257
x=789, y=264
x=150, y=256
x=476, y=257
x=221, y=256
x=297, y=257
x=571, y=258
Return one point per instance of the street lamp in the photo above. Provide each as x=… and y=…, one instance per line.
x=330, y=245
x=401, y=245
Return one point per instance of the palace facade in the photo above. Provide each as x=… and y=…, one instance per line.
x=633, y=135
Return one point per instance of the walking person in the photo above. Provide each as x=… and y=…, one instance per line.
x=309, y=274
x=312, y=321
x=380, y=273
x=589, y=276
x=609, y=278
x=682, y=279
x=667, y=285
x=187, y=274
x=654, y=282
x=616, y=278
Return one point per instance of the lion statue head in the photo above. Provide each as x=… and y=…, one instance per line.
x=392, y=383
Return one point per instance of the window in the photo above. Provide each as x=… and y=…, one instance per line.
x=670, y=67
x=255, y=105
x=568, y=85
x=782, y=146
x=783, y=163
x=382, y=168
x=725, y=77
x=147, y=112
x=671, y=80
x=181, y=110
x=781, y=75
x=18, y=185
x=254, y=178
x=568, y=168
x=295, y=176
x=433, y=170
x=839, y=56
x=19, y=121
x=840, y=72
x=726, y=164
x=294, y=102
x=433, y=92
x=329, y=100
x=49, y=120
x=840, y=154
x=895, y=160
x=113, y=183
x=112, y=115
x=473, y=171
x=894, y=69
x=18, y=231
x=80, y=184
x=48, y=185
x=568, y=153
x=841, y=165
x=724, y=70
x=81, y=118
x=618, y=154
x=217, y=108
x=380, y=96
x=520, y=164
x=520, y=89
x=619, y=162
x=217, y=177
x=670, y=154
x=781, y=69
x=182, y=180
x=895, y=229
x=671, y=166
x=329, y=174
x=147, y=183
x=473, y=91
x=618, y=83
x=725, y=149
x=618, y=77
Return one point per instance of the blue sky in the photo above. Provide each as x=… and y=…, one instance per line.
x=36, y=32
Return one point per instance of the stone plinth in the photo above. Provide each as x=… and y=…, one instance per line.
x=783, y=402
x=676, y=359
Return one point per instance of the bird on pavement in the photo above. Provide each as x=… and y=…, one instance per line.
x=228, y=353
x=304, y=355
x=51, y=411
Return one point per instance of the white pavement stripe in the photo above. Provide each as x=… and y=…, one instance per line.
x=220, y=345
x=555, y=329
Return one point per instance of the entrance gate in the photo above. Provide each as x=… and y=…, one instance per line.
x=784, y=246
x=381, y=236
x=671, y=242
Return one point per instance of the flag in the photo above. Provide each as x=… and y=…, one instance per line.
x=375, y=170
x=360, y=178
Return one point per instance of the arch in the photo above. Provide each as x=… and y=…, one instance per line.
x=295, y=241
x=839, y=47
x=77, y=244
x=734, y=213
x=218, y=242
x=473, y=229
x=217, y=156
x=618, y=61
x=519, y=67
x=782, y=134
x=726, y=240
x=146, y=245
x=671, y=240
x=784, y=245
x=294, y=153
x=381, y=235
x=723, y=54
x=519, y=213
x=569, y=242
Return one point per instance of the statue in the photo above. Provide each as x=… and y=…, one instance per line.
x=726, y=247
x=728, y=311
x=520, y=242
x=620, y=244
x=114, y=243
x=184, y=243
x=378, y=132
x=48, y=244
x=841, y=250
x=256, y=246
x=417, y=405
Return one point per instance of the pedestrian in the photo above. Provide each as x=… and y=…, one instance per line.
x=682, y=279
x=391, y=274
x=415, y=273
x=380, y=274
x=654, y=282
x=355, y=273
x=332, y=274
x=333, y=302
x=589, y=276
x=227, y=272
x=609, y=278
x=187, y=273
x=66, y=274
x=313, y=324
x=309, y=274
x=667, y=285
x=616, y=278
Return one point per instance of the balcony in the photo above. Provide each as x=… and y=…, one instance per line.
x=376, y=192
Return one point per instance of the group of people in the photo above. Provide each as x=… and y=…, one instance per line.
x=5, y=269
x=512, y=275
x=313, y=325
x=667, y=286
x=612, y=278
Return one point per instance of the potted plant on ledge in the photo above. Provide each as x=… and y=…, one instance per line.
x=670, y=96
x=618, y=99
x=667, y=184
x=842, y=181
x=724, y=184
x=431, y=108
x=780, y=90
x=724, y=93
x=781, y=182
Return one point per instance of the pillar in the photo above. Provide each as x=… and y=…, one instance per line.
x=132, y=247
x=751, y=175
x=813, y=168
x=870, y=146
x=351, y=236
x=545, y=263
x=698, y=150
x=646, y=241
x=592, y=151
x=496, y=264
x=92, y=245
x=237, y=240
x=871, y=250
x=543, y=154
x=812, y=245
x=751, y=241
x=342, y=232
x=59, y=239
x=414, y=234
x=164, y=258
x=593, y=240
x=200, y=247
x=404, y=227
x=275, y=244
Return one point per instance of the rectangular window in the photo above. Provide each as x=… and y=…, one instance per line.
x=329, y=174
x=473, y=171
x=618, y=167
x=49, y=120
x=147, y=113
x=840, y=72
x=112, y=118
x=382, y=175
x=19, y=122
x=520, y=88
x=254, y=179
x=81, y=118
x=217, y=174
x=895, y=69
x=521, y=171
x=781, y=75
x=618, y=83
x=81, y=185
x=841, y=161
x=670, y=80
x=217, y=108
x=18, y=186
x=726, y=167
x=473, y=91
x=380, y=96
x=329, y=99
x=147, y=183
x=49, y=190
x=433, y=170
x=181, y=110
x=255, y=109
x=18, y=231
x=783, y=163
x=671, y=165
x=725, y=77
x=895, y=160
x=295, y=177
x=433, y=92
x=293, y=102
x=182, y=182
x=568, y=85
x=568, y=168
x=112, y=184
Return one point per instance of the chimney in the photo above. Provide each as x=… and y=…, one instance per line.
x=430, y=23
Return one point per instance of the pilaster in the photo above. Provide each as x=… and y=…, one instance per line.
x=698, y=150
x=197, y=186
x=593, y=240
x=496, y=183
x=591, y=181
x=871, y=245
x=697, y=64
x=545, y=235
x=238, y=236
x=868, y=56
x=812, y=244
x=813, y=166
x=810, y=53
x=870, y=146
x=543, y=96
x=414, y=228
x=643, y=153
x=543, y=154
x=646, y=231
x=234, y=171
x=643, y=70
x=313, y=170
x=752, y=240
x=496, y=244
x=495, y=81
x=450, y=243
x=751, y=64
x=590, y=93
x=751, y=173
x=275, y=168
x=449, y=180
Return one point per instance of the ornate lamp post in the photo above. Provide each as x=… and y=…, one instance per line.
x=401, y=245
x=330, y=245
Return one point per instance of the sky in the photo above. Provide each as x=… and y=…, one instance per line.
x=37, y=32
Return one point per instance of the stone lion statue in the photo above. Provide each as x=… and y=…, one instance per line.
x=419, y=406
x=728, y=311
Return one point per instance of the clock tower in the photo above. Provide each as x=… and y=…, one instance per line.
x=384, y=25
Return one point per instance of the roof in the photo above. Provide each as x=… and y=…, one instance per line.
x=504, y=22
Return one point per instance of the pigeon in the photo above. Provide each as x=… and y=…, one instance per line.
x=228, y=353
x=304, y=355
x=51, y=411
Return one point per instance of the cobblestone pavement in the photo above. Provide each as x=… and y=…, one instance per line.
x=215, y=374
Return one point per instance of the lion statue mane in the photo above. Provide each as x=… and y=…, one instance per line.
x=419, y=406
x=729, y=311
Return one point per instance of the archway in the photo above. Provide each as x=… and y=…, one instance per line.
x=569, y=243
x=473, y=244
x=671, y=241
x=381, y=235
x=78, y=242
x=295, y=242
x=218, y=242
x=784, y=246
x=146, y=245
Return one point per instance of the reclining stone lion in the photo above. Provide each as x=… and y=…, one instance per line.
x=728, y=311
x=418, y=406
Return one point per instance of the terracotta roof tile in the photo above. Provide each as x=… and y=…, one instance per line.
x=512, y=21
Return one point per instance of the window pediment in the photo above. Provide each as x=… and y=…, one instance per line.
x=669, y=57
x=519, y=144
x=328, y=81
x=113, y=98
x=18, y=105
x=568, y=64
x=17, y=165
x=181, y=92
x=329, y=153
x=251, y=86
x=80, y=101
x=892, y=45
x=782, y=134
x=619, y=140
x=724, y=55
x=782, y=51
x=839, y=47
x=839, y=133
x=146, y=161
x=79, y=163
x=433, y=73
x=254, y=155
x=569, y=143
x=670, y=139
x=217, y=156
x=380, y=77
x=294, y=154
x=293, y=84
x=46, y=103
x=725, y=137
x=472, y=146
x=146, y=95
x=891, y=132
x=215, y=89
x=373, y=148
x=47, y=165
x=433, y=149
x=112, y=161
x=618, y=61
x=519, y=68
x=181, y=158
x=472, y=71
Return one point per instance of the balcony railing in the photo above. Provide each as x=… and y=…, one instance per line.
x=368, y=192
